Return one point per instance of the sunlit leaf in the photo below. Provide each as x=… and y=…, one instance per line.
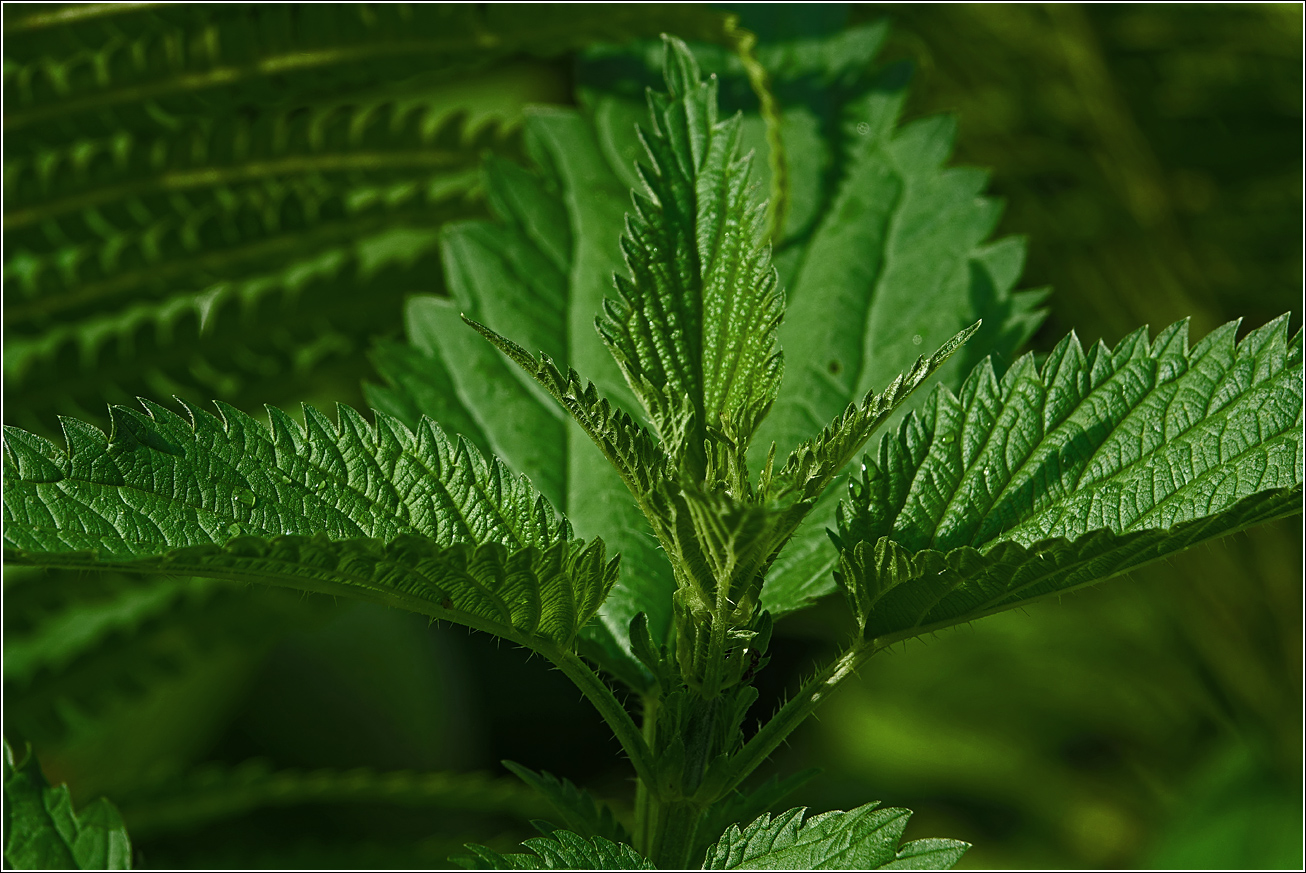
x=1061, y=475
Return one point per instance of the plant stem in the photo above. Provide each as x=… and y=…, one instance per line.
x=793, y=713
x=643, y=802
x=599, y=694
x=674, y=834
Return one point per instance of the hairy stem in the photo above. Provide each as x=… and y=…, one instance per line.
x=599, y=694
x=793, y=713
x=643, y=801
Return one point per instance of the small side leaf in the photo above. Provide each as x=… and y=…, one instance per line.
x=44, y=832
x=865, y=838
x=579, y=810
x=812, y=466
x=562, y=850
x=623, y=441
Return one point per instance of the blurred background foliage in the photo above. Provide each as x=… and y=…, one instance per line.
x=234, y=202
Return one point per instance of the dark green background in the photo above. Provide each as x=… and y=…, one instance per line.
x=1152, y=155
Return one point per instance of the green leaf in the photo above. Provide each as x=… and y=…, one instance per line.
x=419, y=384
x=694, y=332
x=719, y=545
x=898, y=261
x=884, y=252
x=1060, y=476
x=147, y=186
x=743, y=806
x=216, y=792
x=811, y=467
x=538, y=274
x=44, y=832
x=625, y=444
x=378, y=511
x=865, y=838
x=581, y=813
x=563, y=850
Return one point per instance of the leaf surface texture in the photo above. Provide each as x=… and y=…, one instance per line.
x=539, y=273
x=865, y=838
x=1058, y=475
x=562, y=850
x=44, y=832
x=694, y=331
x=380, y=509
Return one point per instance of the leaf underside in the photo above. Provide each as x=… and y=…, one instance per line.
x=865, y=838
x=1059, y=476
x=408, y=518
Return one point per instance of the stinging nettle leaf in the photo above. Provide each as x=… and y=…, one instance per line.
x=44, y=832
x=580, y=811
x=214, y=792
x=621, y=439
x=408, y=518
x=742, y=806
x=694, y=331
x=865, y=838
x=811, y=466
x=562, y=850
x=1060, y=476
x=538, y=274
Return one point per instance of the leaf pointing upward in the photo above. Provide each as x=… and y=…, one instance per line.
x=1063, y=475
x=408, y=518
x=812, y=465
x=694, y=332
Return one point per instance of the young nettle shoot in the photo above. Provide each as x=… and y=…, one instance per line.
x=691, y=455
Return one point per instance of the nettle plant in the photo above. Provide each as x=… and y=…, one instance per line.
x=1021, y=485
